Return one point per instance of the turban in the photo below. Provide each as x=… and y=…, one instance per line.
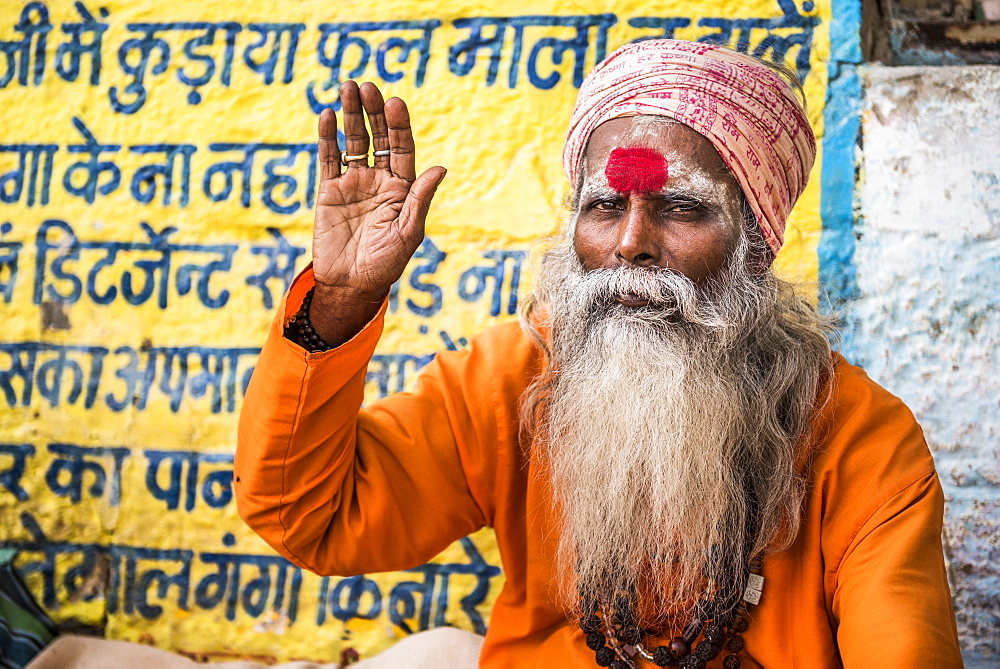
x=742, y=106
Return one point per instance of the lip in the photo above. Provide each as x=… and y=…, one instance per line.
x=630, y=300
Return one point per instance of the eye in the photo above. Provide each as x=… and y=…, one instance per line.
x=607, y=205
x=684, y=206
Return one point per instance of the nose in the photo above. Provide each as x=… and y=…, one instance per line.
x=638, y=239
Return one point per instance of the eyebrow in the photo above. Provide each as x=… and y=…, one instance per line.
x=667, y=194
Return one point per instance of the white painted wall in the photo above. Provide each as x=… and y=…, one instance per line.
x=927, y=324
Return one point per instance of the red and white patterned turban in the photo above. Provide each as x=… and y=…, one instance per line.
x=743, y=107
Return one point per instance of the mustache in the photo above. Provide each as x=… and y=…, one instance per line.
x=662, y=288
x=721, y=305
x=669, y=295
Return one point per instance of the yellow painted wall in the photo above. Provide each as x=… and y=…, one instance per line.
x=132, y=312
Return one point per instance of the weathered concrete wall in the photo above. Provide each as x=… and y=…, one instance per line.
x=927, y=321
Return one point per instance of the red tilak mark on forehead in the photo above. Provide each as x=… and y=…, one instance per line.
x=636, y=169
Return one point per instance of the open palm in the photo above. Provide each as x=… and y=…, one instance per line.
x=369, y=219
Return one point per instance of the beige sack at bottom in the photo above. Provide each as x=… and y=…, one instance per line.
x=442, y=647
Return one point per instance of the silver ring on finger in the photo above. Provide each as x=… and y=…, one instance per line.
x=346, y=158
x=381, y=153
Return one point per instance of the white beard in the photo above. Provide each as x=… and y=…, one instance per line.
x=652, y=434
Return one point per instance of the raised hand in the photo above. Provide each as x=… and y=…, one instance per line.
x=369, y=219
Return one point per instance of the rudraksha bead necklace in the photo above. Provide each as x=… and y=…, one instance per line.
x=616, y=638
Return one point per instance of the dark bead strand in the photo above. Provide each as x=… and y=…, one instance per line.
x=707, y=650
x=717, y=632
x=692, y=662
x=605, y=656
x=613, y=641
x=631, y=634
x=663, y=658
x=678, y=647
x=307, y=334
x=692, y=631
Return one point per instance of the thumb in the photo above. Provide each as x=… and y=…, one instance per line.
x=418, y=200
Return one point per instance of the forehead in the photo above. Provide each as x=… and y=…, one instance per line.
x=685, y=149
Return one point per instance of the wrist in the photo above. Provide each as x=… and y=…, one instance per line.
x=340, y=298
x=329, y=317
x=301, y=330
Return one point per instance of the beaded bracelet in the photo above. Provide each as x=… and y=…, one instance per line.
x=307, y=335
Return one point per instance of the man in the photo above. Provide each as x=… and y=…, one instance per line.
x=678, y=469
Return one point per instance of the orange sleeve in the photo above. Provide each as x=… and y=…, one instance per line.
x=892, y=600
x=341, y=490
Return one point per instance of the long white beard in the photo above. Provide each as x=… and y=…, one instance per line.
x=652, y=436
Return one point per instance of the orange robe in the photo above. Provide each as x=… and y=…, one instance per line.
x=342, y=490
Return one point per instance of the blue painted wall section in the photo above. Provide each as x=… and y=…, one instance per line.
x=842, y=126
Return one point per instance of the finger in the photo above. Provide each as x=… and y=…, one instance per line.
x=418, y=202
x=371, y=100
x=354, y=124
x=329, y=150
x=401, y=159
